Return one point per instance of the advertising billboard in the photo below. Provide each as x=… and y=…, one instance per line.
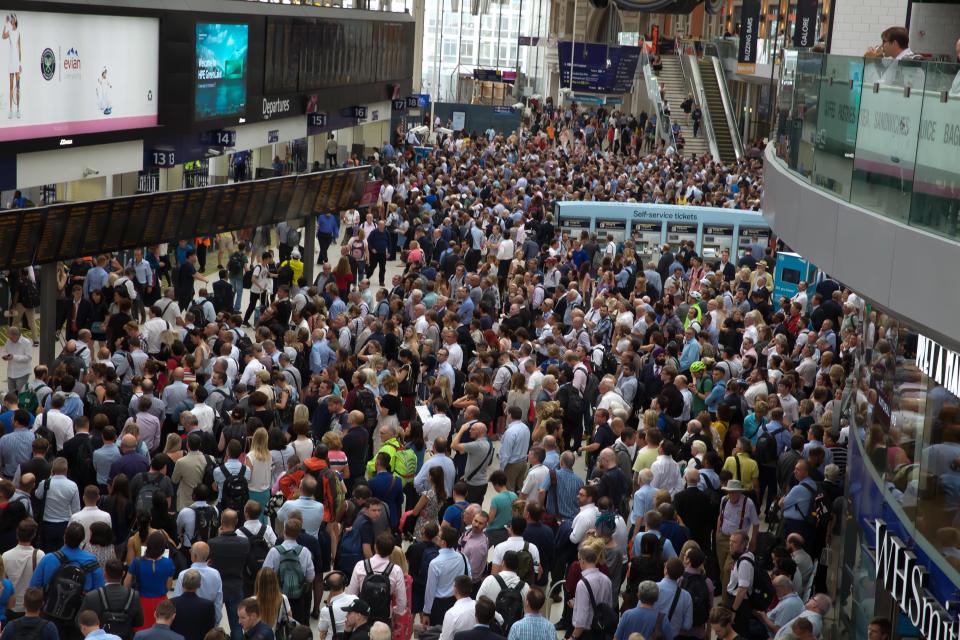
x=221, y=87
x=71, y=74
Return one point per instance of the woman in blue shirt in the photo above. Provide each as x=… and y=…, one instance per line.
x=152, y=575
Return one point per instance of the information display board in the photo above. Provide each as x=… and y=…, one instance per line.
x=295, y=205
x=270, y=200
x=238, y=217
x=597, y=68
x=74, y=232
x=96, y=228
x=28, y=237
x=338, y=182
x=284, y=198
x=156, y=219
x=208, y=211
x=191, y=214
x=228, y=196
x=355, y=193
x=117, y=220
x=175, y=207
x=9, y=221
x=314, y=180
x=322, y=202
x=137, y=222
x=52, y=234
x=255, y=207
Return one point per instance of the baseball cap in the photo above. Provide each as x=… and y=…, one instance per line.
x=358, y=606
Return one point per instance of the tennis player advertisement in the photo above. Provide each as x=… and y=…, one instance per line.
x=72, y=74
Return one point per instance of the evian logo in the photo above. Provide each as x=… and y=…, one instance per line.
x=71, y=64
x=275, y=107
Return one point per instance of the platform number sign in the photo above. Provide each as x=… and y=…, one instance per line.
x=164, y=158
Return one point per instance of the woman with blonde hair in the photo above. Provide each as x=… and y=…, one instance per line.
x=335, y=454
x=173, y=449
x=274, y=606
x=301, y=412
x=518, y=395
x=260, y=462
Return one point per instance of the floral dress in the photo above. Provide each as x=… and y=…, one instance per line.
x=430, y=513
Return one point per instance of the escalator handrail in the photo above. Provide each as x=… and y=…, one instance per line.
x=721, y=77
x=697, y=84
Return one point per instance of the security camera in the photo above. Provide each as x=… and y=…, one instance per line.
x=90, y=172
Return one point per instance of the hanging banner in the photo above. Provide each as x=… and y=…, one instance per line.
x=805, y=28
x=749, y=28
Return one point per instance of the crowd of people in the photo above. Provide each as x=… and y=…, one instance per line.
x=520, y=418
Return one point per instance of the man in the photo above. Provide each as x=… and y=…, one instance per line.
x=558, y=493
x=797, y=504
x=19, y=564
x=513, y=450
x=114, y=598
x=737, y=513
x=91, y=512
x=796, y=546
x=533, y=626
x=479, y=452
x=18, y=353
x=188, y=471
x=485, y=614
x=60, y=499
x=537, y=474
x=879, y=628
x=358, y=622
x=164, y=615
x=439, y=594
x=674, y=602
x=814, y=610
x=57, y=421
x=16, y=447
x=645, y=619
x=248, y=613
x=789, y=606
x=334, y=615
x=31, y=625
x=290, y=549
x=587, y=516
x=438, y=425
x=194, y=615
x=131, y=462
x=211, y=585
x=228, y=555
x=694, y=508
x=739, y=585
x=666, y=473
x=516, y=542
x=387, y=487
x=307, y=504
x=506, y=578
x=439, y=459
x=461, y=616
x=89, y=623
x=593, y=588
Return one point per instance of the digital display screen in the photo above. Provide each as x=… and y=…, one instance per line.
x=191, y=214
x=52, y=234
x=31, y=228
x=313, y=186
x=178, y=200
x=208, y=212
x=74, y=233
x=117, y=219
x=255, y=207
x=336, y=189
x=299, y=197
x=240, y=204
x=352, y=196
x=96, y=226
x=221, y=86
x=156, y=219
x=8, y=235
x=283, y=199
x=221, y=221
x=321, y=202
x=137, y=222
x=791, y=276
x=270, y=201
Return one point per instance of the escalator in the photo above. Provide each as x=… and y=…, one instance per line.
x=721, y=128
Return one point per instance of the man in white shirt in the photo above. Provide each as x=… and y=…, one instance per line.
x=587, y=518
x=666, y=472
x=461, y=616
x=60, y=424
x=454, y=351
x=515, y=542
x=379, y=561
x=252, y=367
x=537, y=474
x=18, y=353
x=91, y=512
x=153, y=328
x=438, y=426
x=334, y=607
x=491, y=585
x=19, y=563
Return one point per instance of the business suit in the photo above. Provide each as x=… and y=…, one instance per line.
x=116, y=595
x=158, y=632
x=84, y=310
x=195, y=616
x=479, y=632
x=228, y=555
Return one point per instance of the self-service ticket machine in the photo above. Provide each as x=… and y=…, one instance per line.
x=677, y=233
x=747, y=234
x=646, y=238
x=615, y=228
x=716, y=238
x=574, y=226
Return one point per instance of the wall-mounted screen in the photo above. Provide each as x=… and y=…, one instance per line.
x=221, y=87
x=70, y=74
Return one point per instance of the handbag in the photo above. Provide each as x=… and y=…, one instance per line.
x=285, y=622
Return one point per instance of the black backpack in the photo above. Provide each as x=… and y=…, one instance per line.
x=63, y=595
x=285, y=275
x=713, y=493
x=236, y=492
x=145, y=495
x=761, y=591
x=117, y=622
x=605, y=617
x=368, y=404
x=29, y=293
x=696, y=585
x=509, y=602
x=235, y=264
x=206, y=523
x=375, y=591
x=767, y=450
x=258, y=553
x=196, y=308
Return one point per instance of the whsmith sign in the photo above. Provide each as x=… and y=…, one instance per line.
x=905, y=579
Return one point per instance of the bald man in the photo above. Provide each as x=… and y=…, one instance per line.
x=130, y=462
x=355, y=438
x=211, y=586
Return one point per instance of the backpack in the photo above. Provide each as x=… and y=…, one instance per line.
x=525, y=567
x=290, y=573
x=28, y=401
x=350, y=549
x=605, y=618
x=63, y=595
x=405, y=464
x=235, y=264
x=375, y=591
x=36, y=633
x=120, y=288
x=696, y=585
x=117, y=622
x=235, y=490
x=258, y=553
x=223, y=299
x=761, y=592
x=197, y=309
x=819, y=515
x=767, y=450
x=145, y=495
x=285, y=275
x=591, y=391
x=29, y=293
x=509, y=602
x=84, y=471
x=647, y=567
x=368, y=404
x=713, y=493
x=608, y=362
x=206, y=523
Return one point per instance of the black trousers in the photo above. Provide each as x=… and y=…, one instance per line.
x=377, y=259
x=440, y=608
x=475, y=493
x=254, y=299
x=324, y=240
x=51, y=536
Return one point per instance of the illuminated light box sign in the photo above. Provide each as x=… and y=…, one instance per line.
x=598, y=68
x=221, y=84
x=71, y=74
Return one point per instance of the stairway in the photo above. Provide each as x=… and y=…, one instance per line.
x=676, y=89
x=721, y=130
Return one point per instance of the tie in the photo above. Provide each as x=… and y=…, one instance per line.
x=73, y=323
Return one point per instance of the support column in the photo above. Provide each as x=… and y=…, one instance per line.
x=310, y=248
x=48, y=313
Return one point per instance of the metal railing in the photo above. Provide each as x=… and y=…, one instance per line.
x=697, y=84
x=664, y=130
x=728, y=107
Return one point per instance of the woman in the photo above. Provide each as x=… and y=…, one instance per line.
x=173, y=449
x=721, y=623
x=415, y=256
x=358, y=253
x=152, y=575
x=101, y=543
x=343, y=276
x=144, y=526
x=274, y=606
x=427, y=508
x=407, y=378
x=280, y=451
x=302, y=444
x=518, y=395
x=389, y=404
x=403, y=624
x=335, y=454
x=120, y=507
x=98, y=316
x=286, y=399
x=260, y=462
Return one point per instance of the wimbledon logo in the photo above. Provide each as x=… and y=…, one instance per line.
x=48, y=64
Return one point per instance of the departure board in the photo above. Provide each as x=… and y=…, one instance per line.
x=283, y=199
x=175, y=206
x=313, y=186
x=208, y=212
x=336, y=189
x=191, y=214
x=52, y=234
x=320, y=203
x=348, y=195
x=9, y=221
x=299, y=195
x=139, y=208
x=156, y=219
x=255, y=208
x=270, y=201
x=239, y=215
x=119, y=215
x=359, y=185
x=28, y=237
x=228, y=196
x=74, y=233
x=93, y=240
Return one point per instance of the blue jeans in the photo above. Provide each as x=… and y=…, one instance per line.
x=236, y=631
x=238, y=293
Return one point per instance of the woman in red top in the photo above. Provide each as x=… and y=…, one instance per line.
x=343, y=276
